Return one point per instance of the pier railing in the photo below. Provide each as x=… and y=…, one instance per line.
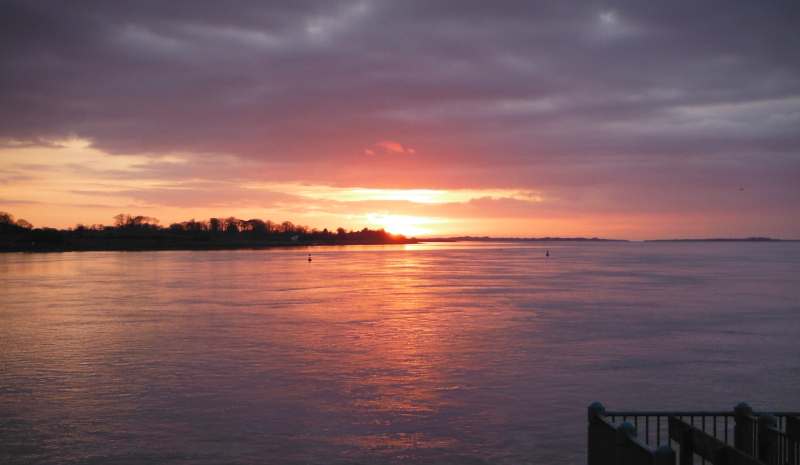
x=740, y=436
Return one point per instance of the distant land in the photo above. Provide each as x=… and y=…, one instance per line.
x=514, y=239
x=748, y=239
x=593, y=239
x=138, y=233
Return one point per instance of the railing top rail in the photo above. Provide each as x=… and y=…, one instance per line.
x=642, y=413
x=641, y=445
x=697, y=413
x=607, y=421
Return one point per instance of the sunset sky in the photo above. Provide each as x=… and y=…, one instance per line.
x=628, y=119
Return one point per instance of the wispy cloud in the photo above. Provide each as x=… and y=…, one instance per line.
x=630, y=109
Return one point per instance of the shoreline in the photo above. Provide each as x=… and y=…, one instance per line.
x=154, y=245
x=187, y=246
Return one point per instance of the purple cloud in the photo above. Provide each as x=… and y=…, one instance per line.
x=619, y=106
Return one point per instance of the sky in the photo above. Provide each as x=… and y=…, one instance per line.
x=615, y=119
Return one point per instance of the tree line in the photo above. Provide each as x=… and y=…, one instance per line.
x=7, y=220
x=227, y=225
x=130, y=232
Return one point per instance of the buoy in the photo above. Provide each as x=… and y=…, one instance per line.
x=546, y=255
x=309, y=258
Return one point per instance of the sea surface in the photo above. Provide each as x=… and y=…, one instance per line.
x=446, y=353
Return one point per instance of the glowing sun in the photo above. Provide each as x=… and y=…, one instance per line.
x=400, y=224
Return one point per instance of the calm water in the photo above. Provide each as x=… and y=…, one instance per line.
x=442, y=353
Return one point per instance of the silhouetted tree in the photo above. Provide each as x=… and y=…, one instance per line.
x=24, y=224
x=231, y=224
x=121, y=220
x=287, y=227
x=124, y=220
x=193, y=225
x=257, y=226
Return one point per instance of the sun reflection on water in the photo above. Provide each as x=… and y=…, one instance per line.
x=389, y=354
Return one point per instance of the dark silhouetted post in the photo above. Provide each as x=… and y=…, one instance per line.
x=765, y=446
x=687, y=447
x=743, y=430
x=793, y=433
x=625, y=452
x=601, y=450
x=664, y=455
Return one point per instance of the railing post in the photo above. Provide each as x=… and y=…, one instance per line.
x=793, y=435
x=625, y=432
x=596, y=410
x=687, y=447
x=595, y=446
x=720, y=455
x=743, y=429
x=664, y=455
x=765, y=446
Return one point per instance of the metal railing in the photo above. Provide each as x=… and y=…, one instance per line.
x=778, y=445
x=697, y=443
x=772, y=438
x=613, y=444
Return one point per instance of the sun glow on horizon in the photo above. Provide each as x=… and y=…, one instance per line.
x=408, y=195
x=72, y=182
x=402, y=224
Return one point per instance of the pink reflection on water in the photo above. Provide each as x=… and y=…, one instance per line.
x=488, y=353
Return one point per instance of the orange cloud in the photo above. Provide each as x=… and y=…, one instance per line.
x=388, y=147
x=391, y=146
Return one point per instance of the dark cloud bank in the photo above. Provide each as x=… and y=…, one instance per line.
x=663, y=101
